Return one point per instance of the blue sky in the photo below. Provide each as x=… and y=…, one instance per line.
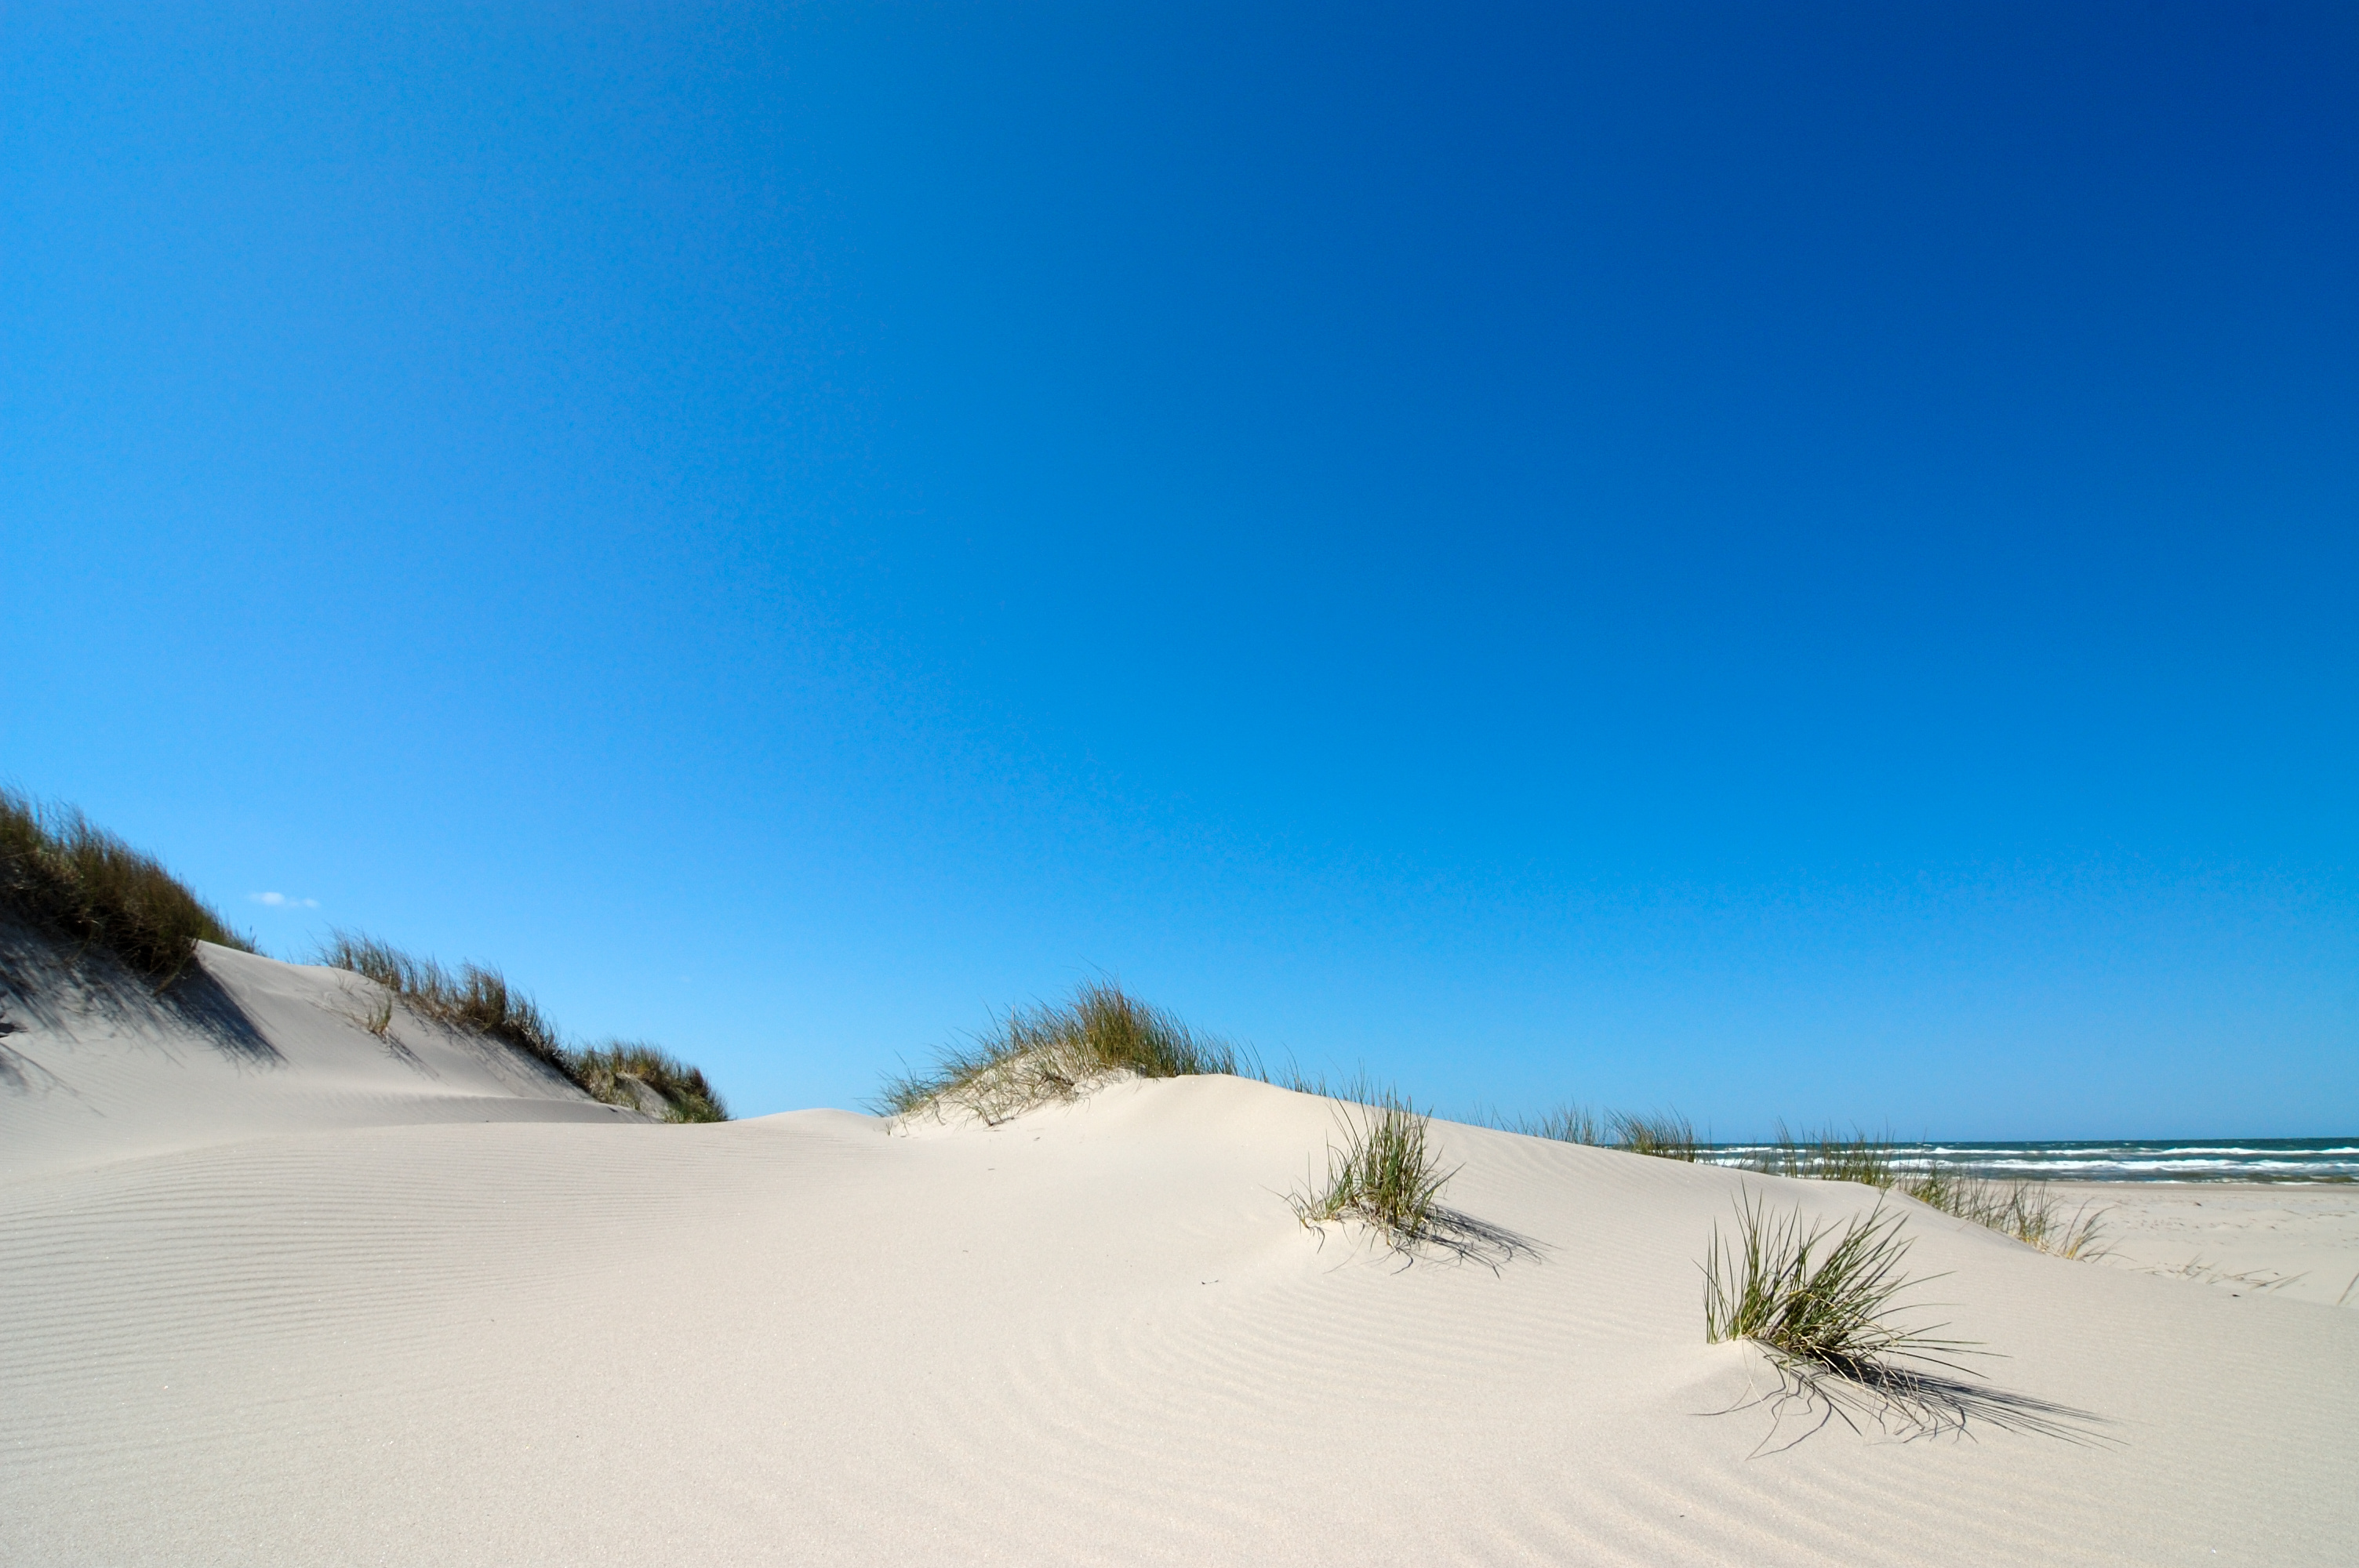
x=1784, y=561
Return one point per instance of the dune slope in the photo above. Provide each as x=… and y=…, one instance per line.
x=1092, y=1334
x=94, y=1066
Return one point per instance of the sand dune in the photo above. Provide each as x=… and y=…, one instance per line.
x=93, y=1068
x=475, y=1333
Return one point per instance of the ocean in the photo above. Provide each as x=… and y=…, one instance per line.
x=2159, y=1160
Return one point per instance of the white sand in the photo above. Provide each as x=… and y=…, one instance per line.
x=1094, y=1334
x=2297, y=1241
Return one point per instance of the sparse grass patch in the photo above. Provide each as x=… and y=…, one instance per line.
x=1666, y=1135
x=614, y=1071
x=1046, y=1053
x=1828, y=1157
x=1568, y=1123
x=62, y=874
x=1385, y=1175
x=470, y=997
x=2025, y=1210
x=480, y=1000
x=1815, y=1297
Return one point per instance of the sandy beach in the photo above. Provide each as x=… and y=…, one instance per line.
x=2296, y=1241
x=305, y=1295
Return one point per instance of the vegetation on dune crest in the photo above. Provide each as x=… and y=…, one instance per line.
x=480, y=1000
x=60, y=874
x=609, y=1071
x=1047, y=1052
x=470, y=997
x=1666, y=1134
x=2025, y=1210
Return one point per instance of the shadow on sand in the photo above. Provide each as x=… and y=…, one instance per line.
x=1906, y=1404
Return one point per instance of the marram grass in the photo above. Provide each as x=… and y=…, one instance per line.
x=63, y=875
x=1665, y=1134
x=609, y=1073
x=1819, y=1297
x=481, y=1001
x=470, y=997
x=1386, y=1173
x=1055, y=1052
x=2025, y=1210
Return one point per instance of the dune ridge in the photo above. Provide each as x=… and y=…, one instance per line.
x=489, y=1321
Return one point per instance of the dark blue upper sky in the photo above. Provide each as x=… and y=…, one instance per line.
x=1790, y=561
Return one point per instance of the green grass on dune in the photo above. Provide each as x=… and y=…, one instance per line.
x=1664, y=1134
x=470, y=997
x=1813, y=1293
x=62, y=875
x=608, y=1072
x=1055, y=1051
x=1385, y=1175
x=2025, y=1209
x=480, y=1000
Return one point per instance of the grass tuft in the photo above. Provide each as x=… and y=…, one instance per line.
x=1830, y=1156
x=62, y=874
x=1666, y=1135
x=1813, y=1295
x=480, y=1000
x=616, y=1072
x=2025, y=1210
x=1385, y=1175
x=1047, y=1053
x=470, y=997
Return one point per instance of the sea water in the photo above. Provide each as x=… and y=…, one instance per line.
x=2160, y=1160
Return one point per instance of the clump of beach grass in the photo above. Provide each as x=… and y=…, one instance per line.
x=2027, y=1210
x=479, y=999
x=1818, y=1297
x=1058, y=1051
x=2023, y=1209
x=1664, y=1134
x=1828, y=1156
x=470, y=997
x=61, y=874
x=618, y=1070
x=1386, y=1173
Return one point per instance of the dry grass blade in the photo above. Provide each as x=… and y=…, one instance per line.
x=61, y=874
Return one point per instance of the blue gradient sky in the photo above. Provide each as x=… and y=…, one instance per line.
x=1787, y=561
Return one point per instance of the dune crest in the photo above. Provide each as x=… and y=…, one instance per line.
x=1093, y=1333
x=96, y=1066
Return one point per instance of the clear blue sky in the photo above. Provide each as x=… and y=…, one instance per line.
x=1787, y=561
